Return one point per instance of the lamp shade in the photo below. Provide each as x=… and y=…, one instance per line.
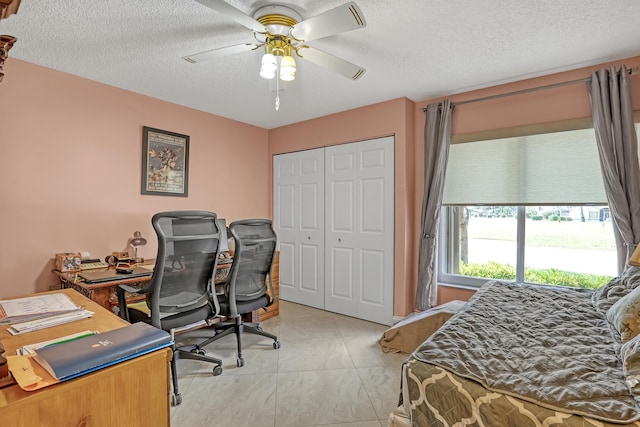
x=268, y=67
x=138, y=240
x=287, y=68
x=635, y=257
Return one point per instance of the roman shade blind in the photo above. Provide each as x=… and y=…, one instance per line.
x=560, y=168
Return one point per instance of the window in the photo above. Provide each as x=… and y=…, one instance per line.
x=527, y=209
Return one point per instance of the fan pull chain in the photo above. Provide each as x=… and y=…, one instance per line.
x=278, y=87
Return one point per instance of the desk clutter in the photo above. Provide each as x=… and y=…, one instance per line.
x=71, y=402
x=39, y=312
x=35, y=307
x=73, y=262
x=73, y=356
x=117, y=274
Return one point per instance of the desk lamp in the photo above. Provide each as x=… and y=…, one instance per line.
x=136, y=241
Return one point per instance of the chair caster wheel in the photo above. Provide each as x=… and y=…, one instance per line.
x=176, y=399
x=217, y=371
x=240, y=362
x=276, y=344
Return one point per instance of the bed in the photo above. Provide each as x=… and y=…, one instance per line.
x=523, y=355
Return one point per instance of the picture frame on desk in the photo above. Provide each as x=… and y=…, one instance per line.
x=165, y=163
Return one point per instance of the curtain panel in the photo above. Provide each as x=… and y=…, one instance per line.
x=610, y=95
x=437, y=139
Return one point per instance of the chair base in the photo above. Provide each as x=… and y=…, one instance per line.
x=238, y=327
x=192, y=352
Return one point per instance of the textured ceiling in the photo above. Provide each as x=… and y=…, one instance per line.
x=417, y=49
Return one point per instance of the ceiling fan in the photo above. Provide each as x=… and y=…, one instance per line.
x=281, y=31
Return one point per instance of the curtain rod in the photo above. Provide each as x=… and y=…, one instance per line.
x=631, y=71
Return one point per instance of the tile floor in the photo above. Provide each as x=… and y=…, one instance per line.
x=329, y=371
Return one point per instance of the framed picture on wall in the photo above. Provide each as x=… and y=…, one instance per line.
x=165, y=163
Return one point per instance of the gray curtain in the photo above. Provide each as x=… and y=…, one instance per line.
x=610, y=94
x=437, y=137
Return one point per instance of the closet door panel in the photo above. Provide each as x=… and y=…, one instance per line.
x=299, y=222
x=372, y=274
x=339, y=286
x=359, y=217
x=287, y=273
x=376, y=230
x=340, y=229
x=309, y=269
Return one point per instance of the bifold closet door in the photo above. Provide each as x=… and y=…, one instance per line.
x=359, y=229
x=298, y=200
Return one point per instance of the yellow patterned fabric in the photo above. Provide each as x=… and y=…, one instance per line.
x=436, y=397
x=624, y=315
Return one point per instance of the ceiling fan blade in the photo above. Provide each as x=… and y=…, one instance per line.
x=217, y=53
x=343, y=18
x=340, y=66
x=231, y=12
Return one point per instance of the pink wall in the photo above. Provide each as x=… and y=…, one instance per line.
x=71, y=178
x=549, y=105
x=72, y=170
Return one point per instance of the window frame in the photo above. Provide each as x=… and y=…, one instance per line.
x=447, y=252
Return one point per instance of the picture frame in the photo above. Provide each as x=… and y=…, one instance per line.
x=165, y=163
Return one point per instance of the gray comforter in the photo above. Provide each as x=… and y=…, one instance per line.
x=544, y=344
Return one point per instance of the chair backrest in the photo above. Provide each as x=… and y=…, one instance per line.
x=255, y=247
x=188, y=249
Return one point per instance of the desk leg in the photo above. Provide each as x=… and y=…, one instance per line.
x=101, y=296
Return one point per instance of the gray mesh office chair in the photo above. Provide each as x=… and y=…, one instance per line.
x=246, y=287
x=179, y=292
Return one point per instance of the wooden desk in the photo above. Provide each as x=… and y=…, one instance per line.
x=102, y=293
x=105, y=293
x=131, y=393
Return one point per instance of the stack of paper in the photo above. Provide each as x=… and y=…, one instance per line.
x=35, y=307
x=47, y=322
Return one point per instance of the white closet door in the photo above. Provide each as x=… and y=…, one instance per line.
x=359, y=221
x=298, y=180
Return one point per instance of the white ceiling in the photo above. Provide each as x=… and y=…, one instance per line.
x=417, y=49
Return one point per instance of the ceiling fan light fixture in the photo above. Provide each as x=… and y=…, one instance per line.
x=287, y=68
x=268, y=67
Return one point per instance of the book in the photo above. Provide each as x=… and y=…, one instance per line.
x=73, y=358
x=28, y=308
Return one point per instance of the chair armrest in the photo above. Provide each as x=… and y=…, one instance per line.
x=121, y=292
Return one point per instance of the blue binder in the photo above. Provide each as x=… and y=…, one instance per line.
x=71, y=359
